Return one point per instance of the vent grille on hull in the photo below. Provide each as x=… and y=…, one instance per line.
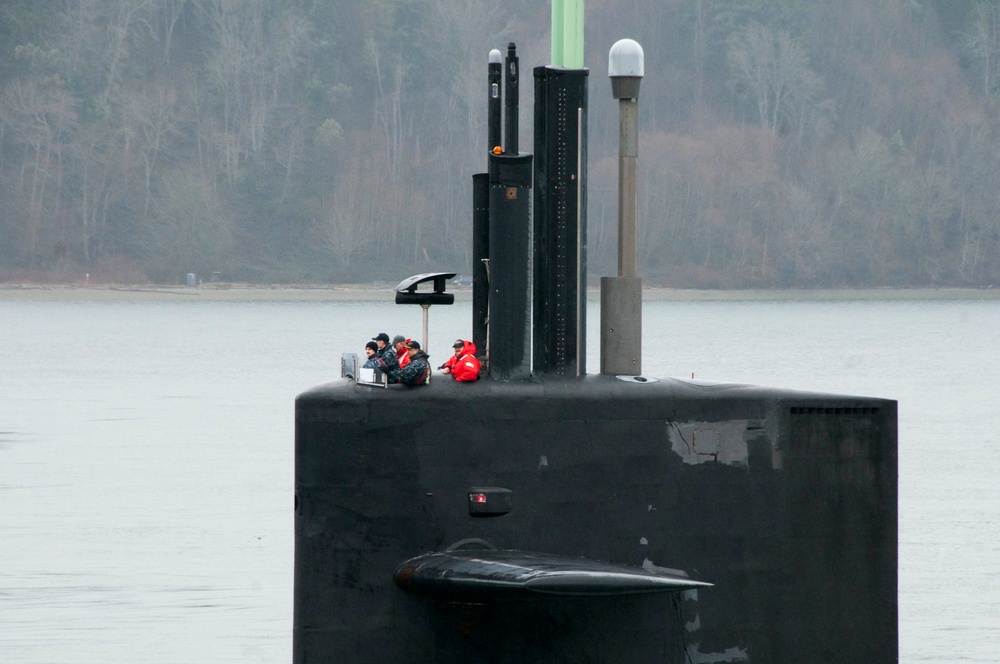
x=820, y=410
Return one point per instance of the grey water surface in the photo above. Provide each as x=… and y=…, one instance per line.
x=146, y=456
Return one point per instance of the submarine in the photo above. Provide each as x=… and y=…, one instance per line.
x=544, y=514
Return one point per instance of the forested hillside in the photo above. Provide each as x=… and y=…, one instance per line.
x=783, y=143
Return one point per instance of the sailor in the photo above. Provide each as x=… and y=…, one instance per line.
x=373, y=361
x=399, y=345
x=386, y=352
x=417, y=371
x=463, y=365
x=450, y=362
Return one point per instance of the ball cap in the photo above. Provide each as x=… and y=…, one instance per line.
x=414, y=344
x=458, y=344
x=381, y=336
x=398, y=339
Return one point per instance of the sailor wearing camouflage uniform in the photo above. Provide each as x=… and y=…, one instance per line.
x=386, y=353
x=417, y=372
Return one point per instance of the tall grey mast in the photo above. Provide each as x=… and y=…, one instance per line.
x=621, y=296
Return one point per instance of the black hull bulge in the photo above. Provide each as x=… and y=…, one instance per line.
x=615, y=491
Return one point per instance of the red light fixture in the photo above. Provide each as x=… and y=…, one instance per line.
x=490, y=501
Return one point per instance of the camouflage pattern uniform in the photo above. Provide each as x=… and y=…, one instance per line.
x=389, y=359
x=417, y=372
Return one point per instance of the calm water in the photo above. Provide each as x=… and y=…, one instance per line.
x=146, y=451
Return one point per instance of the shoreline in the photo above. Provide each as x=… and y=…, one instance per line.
x=386, y=293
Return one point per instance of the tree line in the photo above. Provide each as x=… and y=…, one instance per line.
x=783, y=143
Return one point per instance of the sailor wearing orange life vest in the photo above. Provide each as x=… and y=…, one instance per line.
x=463, y=365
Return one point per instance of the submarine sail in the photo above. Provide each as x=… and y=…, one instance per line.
x=541, y=514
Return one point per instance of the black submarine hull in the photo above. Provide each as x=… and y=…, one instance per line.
x=784, y=501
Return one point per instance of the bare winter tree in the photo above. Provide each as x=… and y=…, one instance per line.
x=772, y=70
x=39, y=119
x=981, y=42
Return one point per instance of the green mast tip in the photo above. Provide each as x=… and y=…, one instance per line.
x=567, y=34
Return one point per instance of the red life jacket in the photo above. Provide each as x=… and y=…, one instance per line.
x=466, y=367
